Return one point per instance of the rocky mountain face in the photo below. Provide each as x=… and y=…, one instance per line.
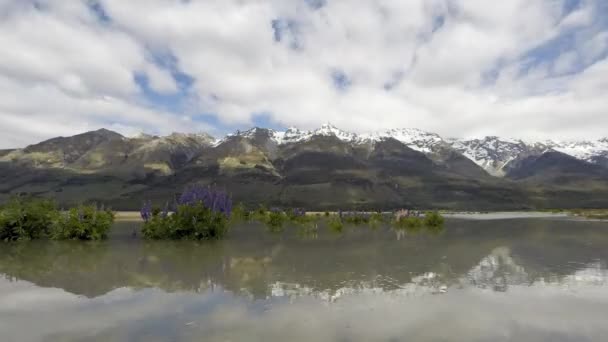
x=595, y=152
x=327, y=168
x=109, y=152
x=493, y=154
x=497, y=156
x=5, y=152
x=555, y=166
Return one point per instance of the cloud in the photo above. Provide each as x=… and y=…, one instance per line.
x=360, y=314
x=456, y=67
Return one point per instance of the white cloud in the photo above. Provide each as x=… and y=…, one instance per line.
x=580, y=17
x=456, y=67
x=161, y=81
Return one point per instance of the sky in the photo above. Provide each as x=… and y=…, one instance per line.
x=533, y=69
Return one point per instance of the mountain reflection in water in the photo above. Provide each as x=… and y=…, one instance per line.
x=519, y=279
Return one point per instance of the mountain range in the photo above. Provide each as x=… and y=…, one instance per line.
x=323, y=169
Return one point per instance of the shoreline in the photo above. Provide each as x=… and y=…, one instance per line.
x=134, y=216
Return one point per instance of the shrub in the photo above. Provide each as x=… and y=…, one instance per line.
x=260, y=213
x=240, y=214
x=299, y=216
x=335, y=224
x=355, y=218
x=409, y=222
x=202, y=213
x=295, y=213
x=375, y=220
x=26, y=219
x=198, y=222
x=85, y=222
x=275, y=219
x=157, y=227
x=188, y=222
x=433, y=219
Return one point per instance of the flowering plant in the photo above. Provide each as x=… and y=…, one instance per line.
x=201, y=213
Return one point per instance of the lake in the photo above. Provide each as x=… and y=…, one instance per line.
x=502, y=279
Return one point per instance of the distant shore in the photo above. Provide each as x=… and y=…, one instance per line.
x=599, y=214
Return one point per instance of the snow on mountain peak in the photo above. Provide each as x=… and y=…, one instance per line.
x=412, y=137
x=331, y=130
x=491, y=152
x=585, y=150
x=293, y=135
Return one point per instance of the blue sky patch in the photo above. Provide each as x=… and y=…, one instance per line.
x=99, y=11
x=341, y=80
x=316, y=4
x=286, y=31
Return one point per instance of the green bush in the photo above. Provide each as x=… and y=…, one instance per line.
x=240, y=214
x=411, y=223
x=189, y=222
x=355, y=219
x=376, y=220
x=275, y=220
x=378, y=217
x=335, y=224
x=260, y=213
x=26, y=219
x=433, y=219
x=85, y=222
x=303, y=219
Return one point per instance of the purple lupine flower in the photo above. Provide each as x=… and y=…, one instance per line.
x=146, y=211
x=217, y=201
x=298, y=212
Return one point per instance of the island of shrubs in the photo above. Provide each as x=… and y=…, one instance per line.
x=30, y=219
x=199, y=213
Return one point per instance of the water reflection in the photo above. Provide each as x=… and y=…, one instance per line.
x=534, y=280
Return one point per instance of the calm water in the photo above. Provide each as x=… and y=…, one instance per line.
x=477, y=280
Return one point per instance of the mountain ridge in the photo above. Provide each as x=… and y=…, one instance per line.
x=324, y=169
x=492, y=153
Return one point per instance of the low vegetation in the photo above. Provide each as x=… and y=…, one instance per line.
x=197, y=220
x=593, y=214
x=26, y=219
x=85, y=222
x=431, y=219
x=201, y=213
x=335, y=224
x=411, y=222
x=29, y=219
x=275, y=219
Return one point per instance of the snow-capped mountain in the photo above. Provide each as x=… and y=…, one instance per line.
x=321, y=169
x=494, y=153
x=590, y=151
x=414, y=138
x=491, y=153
